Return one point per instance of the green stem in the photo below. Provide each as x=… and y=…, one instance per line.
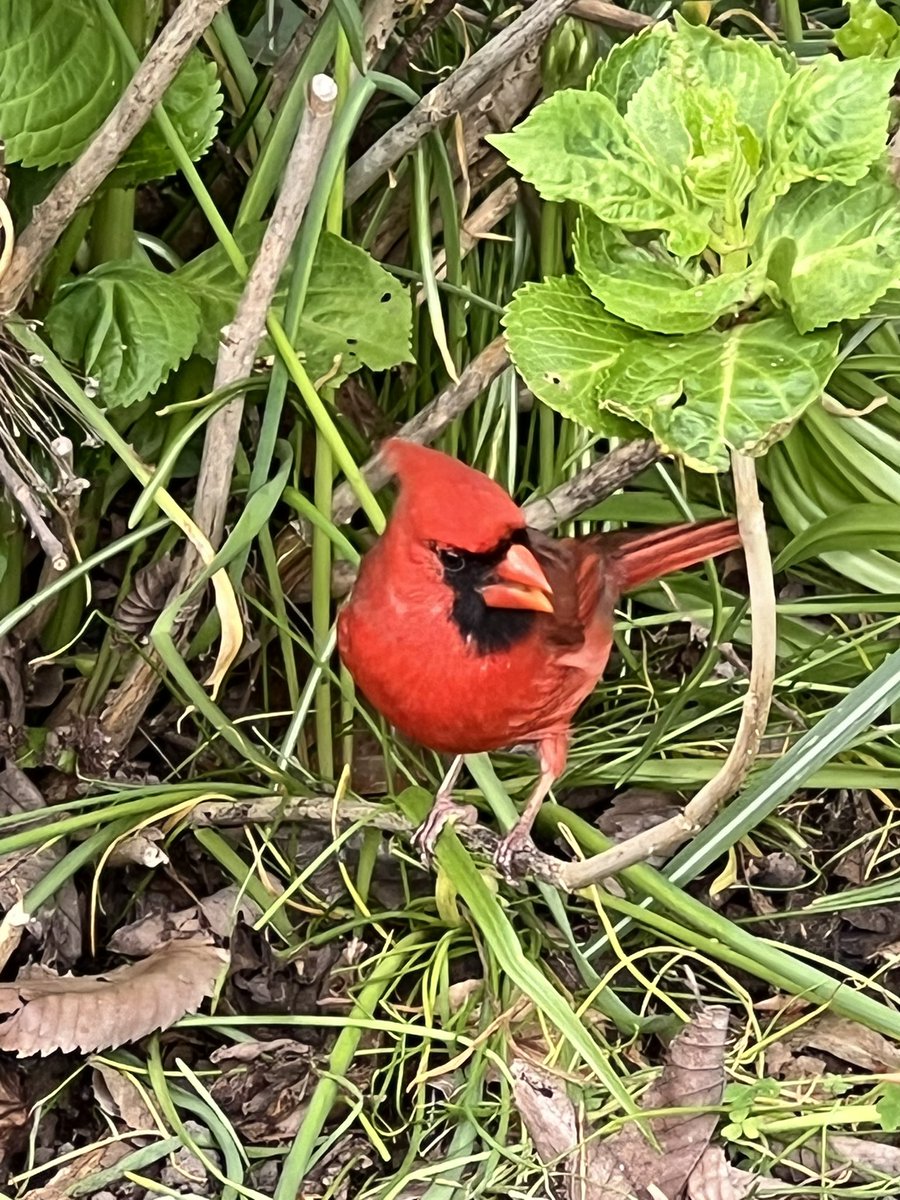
x=760, y=957
x=791, y=21
x=384, y=975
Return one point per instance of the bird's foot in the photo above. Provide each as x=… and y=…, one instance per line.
x=517, y=840
x=444, y=811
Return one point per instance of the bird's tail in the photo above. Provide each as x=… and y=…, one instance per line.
x=642, y=557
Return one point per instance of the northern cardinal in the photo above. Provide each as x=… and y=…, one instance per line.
x=469, y=631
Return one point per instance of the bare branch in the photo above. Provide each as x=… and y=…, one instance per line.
x=665, y=838
x=242, y=338
x=112, y=139
x=35, y=514
x=592, y=485
x=451, y=94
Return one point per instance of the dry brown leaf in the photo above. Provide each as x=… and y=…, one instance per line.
x=217, y=912
x=264, y=1086
x=850, y=1042
x=98, y=1012
x=545, y=1108
x=59, y=922
x=714, y=1178
x=118, y=1096
x=13, y=1110
x=626, y=1164
x=866, y=1155
x=99, y=1158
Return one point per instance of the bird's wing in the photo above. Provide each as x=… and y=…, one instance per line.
x=563, y=566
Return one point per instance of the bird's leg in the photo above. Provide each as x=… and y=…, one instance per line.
x=520, y=835
x=444, y=811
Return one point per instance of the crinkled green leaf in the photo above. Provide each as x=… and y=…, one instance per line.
x=354, y=309
x=627, y=65
x=647, y=287
x=705, y=395
x=194, y=105
x=831, y=121
x=561, y=342
x=695, y=129
x=835, y=249
x=577, y=146
x=60, y=76
x=869, y=31
x=751, y=73
x=126, y=324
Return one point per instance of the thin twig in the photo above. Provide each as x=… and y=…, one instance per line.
x=34, y=513
x=115, y=135
x=664, y=838
x=323, y=809
x=611, y=15
x=592, y=485
x=241, y=339
x=451, y=94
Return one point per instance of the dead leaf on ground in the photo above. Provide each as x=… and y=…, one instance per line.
x=99, y=1012
x=264, y=1086
x=626, y=1164
x=118, y=1095
x=217, y=912
x=57, y=925
x=848, y=1041
x=13, y=1110
x=714, y=1178
x=140, y=849
x=80, y=1169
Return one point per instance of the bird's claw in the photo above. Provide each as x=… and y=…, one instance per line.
x=444, y=811
x=516, y=840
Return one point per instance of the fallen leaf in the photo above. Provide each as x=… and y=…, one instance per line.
x=714, y=1178
x=546, y=1109
x=141, y=849
x=118, y=1095
x=264, y=1086
x=866, y=1154
x=98, y=1012
x=626, y=1164
x=77, y=1170
x=846, y=1040
x=13, y=1110
x=217, y=912
x=59, y=922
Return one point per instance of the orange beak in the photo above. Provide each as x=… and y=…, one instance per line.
x=523, y=583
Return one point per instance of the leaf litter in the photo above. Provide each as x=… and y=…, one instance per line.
x=97, y=1012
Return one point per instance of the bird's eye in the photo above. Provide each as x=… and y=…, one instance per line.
x=452, y=560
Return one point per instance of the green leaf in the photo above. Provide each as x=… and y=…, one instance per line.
x=888, y=1107
x=831, y=122
x=753, y=75
x=576, y=146
x=836, y=249
x=561, y=341
x=127, y=324
x=194, y=105
x=647, y=287
x=60, y=76
x=627, y=65
x=870, y=31
x=694, y=127
x=354, y=309
x=705, y=395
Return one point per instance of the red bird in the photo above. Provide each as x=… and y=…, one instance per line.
x=469, y=631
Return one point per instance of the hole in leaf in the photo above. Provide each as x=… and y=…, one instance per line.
x=681, y=401
x=554, y=379
x=385, y=297
x=351, y=341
